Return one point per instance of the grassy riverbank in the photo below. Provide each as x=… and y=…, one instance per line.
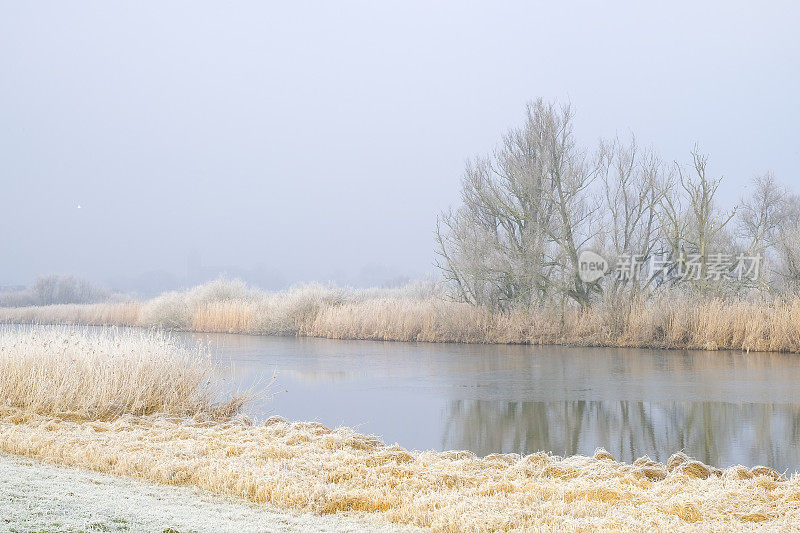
x=179, y=431
x=421, y=312
x=46, y=498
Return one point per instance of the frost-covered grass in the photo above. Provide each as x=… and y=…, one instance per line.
x=310, y=468
x=46, y=498
x=97, y=375
x=422, y=312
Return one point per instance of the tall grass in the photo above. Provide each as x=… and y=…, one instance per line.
x=86, y=375
x=421, y=312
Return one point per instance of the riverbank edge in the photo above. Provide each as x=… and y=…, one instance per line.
x=564, y=342
x=310, y=468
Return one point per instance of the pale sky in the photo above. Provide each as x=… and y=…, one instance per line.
x=319, y=140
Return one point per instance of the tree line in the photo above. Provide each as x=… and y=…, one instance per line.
x=535, y=203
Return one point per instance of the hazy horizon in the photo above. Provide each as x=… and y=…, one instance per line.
x=318, y=141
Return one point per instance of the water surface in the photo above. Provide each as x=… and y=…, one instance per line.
x=720, y=407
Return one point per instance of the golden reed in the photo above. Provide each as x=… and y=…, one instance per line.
x=421, y=313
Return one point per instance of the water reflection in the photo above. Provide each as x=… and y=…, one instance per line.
x=714, y=432
x=721, y=407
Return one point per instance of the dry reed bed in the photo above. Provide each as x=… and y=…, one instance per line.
x=96, y=375
x=421, y=313
x=131, y=403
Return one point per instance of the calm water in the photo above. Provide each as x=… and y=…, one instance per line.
x=720, y=407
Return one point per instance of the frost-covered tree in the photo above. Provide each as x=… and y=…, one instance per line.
x=525, y=216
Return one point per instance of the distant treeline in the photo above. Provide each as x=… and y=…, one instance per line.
x=55, y=289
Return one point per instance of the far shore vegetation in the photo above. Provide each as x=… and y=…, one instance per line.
x=423, y=312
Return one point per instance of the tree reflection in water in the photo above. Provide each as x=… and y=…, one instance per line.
x=717, y=433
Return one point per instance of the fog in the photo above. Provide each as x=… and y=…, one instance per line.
x=286, y=142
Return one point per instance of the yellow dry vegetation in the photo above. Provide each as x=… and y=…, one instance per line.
x=421, y=312
x=97, y=375
x=309, y=467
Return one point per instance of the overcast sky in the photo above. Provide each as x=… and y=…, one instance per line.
x=320, y=140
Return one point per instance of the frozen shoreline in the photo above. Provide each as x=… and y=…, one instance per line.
x=38, y=496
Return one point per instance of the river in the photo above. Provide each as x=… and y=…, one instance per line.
x=722, y=408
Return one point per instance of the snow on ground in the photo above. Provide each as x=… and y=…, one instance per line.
x=39, y=497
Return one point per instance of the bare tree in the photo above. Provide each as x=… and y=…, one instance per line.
x=763, y=212
x=788, y=253
x=633, y=183
x=768, y=225
x=524, y=217
x=692, y=226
